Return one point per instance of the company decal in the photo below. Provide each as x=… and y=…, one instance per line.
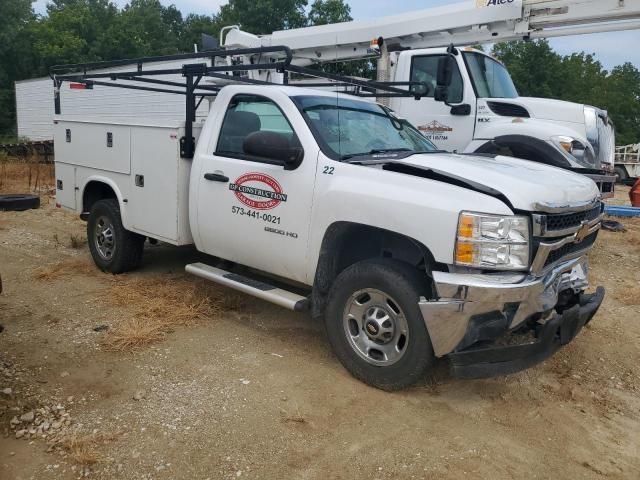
x=259, y=191
x=484, y=119
x=435, y=127
x=492, y=3
x=435, y=130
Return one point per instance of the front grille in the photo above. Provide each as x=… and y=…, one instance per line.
x=508, y=109
x=570, y=248
x=564, y=221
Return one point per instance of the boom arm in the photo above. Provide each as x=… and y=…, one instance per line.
x=473, y=22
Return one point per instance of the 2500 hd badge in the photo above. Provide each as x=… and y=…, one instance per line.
x=259, y=191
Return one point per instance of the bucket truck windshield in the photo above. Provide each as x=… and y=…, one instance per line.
x=490, y=78
x=346, y=128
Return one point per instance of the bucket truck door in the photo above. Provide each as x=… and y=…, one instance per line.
x=449, y=127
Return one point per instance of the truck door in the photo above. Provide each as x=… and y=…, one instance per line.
x=250, y=210
x=449, y=128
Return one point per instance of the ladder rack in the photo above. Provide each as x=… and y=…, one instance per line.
x=270, y=58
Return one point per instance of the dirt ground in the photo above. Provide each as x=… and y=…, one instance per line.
x=152, y=375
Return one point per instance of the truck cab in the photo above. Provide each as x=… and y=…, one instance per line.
x=478, y=110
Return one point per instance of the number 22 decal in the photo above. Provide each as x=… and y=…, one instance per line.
x=328, y=170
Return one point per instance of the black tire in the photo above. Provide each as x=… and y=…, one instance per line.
x=126, y=253
x=621, y=174
x=19, y=203
x=404, y=285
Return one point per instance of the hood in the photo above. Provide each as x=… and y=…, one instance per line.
x=556, y=110
x=520, y=183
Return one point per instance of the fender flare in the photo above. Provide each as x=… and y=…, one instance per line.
x=528, y=148
x=329, y=263
x=107, y=181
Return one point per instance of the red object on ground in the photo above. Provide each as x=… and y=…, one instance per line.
x=634, y=194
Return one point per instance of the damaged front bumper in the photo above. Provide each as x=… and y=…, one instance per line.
x=492, y=324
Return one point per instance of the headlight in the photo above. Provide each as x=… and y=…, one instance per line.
x=492, y=242
x=573, y=148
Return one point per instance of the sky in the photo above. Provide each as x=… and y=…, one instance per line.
x=610, y=48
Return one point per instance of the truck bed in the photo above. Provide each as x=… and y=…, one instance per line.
x=142, y=160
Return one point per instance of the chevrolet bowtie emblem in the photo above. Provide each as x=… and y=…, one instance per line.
x=583, y=232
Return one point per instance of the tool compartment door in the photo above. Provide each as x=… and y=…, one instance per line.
x=94, y=145
x=153, y=204
x=66, y=185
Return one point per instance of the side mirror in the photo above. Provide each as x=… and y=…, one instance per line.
x=445, y=71
x=275, y=147
x=441, y=94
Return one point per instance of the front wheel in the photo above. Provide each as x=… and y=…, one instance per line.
x=113, y=248
x=374, y=323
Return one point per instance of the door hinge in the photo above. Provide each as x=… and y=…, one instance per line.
x=187, y=149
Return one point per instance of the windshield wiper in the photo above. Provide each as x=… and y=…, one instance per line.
x=376, y=151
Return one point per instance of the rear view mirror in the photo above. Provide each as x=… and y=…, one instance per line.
x=274, y=146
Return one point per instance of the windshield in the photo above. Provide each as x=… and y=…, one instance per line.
x=347, y=128
x=490, y=78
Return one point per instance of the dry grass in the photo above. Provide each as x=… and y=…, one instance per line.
x=83, y=449
x=74, y=266
x=77, y=241
x=159, y=305
x=26, y=176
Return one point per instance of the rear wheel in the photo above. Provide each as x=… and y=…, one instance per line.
x=375, y=326
x=621, y=174
x=113, y=248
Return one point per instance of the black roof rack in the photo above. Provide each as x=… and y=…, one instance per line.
x=279, y=59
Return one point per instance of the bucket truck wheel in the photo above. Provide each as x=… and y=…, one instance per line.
x=621, y=174
x=113, y=248
x=375, y=326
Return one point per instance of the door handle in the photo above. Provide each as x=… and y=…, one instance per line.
x=216, y=177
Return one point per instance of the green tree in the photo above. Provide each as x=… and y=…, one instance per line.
x=534, y=67
x=264, y=16
x=73, y=30
x=195, y=25
x=583, y=79
x=15, y=55
x=323, y=12
x=144, y=27
x=621, y=98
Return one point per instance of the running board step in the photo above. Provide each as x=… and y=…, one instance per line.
x=258, y=289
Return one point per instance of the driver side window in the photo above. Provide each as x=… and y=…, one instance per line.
x=425, y=69
x=247, y=115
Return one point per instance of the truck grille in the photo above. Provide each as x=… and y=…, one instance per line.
x=565, y=251
x=561, y=236
x=564, y=221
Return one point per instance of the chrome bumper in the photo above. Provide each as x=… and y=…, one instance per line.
x=472, y=303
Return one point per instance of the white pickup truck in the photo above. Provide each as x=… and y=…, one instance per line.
x=409, y=254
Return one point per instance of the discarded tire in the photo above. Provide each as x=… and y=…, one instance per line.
x=18, y=203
